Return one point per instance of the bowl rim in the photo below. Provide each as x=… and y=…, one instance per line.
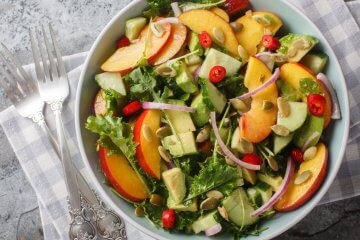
x=321, y=192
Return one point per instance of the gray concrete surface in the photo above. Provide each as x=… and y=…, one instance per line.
x=78, y=22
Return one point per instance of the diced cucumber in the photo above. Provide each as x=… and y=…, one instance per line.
x=111, y=80
x=212, y=97
x=265, y=191
x=194, y=44
x=202, y=113
x=184, y=78
x=315, y=61
x=181, y=120
x=254, y=196
x=193, y=60
x=134, y=26
x=296, y=118
x=281, y=142
x=274, y=182
x=204, y=222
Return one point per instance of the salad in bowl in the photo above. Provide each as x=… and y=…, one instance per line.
x=211, y=118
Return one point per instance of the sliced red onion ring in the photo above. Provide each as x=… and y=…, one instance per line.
x=165, y=106
x=196, y=73
x=271, y=80
x=173, y=20
x=169, y=165
x=309, y=140
x=211, y=231
x=176, y=9
x=287, y=178
x=267, y=59
x=336, y=114
x=226, y=151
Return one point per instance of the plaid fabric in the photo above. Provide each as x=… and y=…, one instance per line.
x=43, y=169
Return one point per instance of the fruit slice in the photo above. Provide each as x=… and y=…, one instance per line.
x=296, y=195
x=221, y=13
x=100, y=103
x=174, y=44
x=204, y=20
x=147, y=152
x=122, y=177
x=256, y=124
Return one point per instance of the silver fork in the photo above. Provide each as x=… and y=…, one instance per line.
x=54, y=89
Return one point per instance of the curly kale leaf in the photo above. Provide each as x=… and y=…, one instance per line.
x=232, y=86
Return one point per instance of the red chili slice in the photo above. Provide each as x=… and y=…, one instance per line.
x=123, y=42
x=168, y=218
x=217, y=74
x=316, y=104
x=297, y=155
x=205, y=39
x=252, y=158
x=131, y=108
x=270, y=42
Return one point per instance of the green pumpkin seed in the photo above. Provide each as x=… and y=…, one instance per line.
x=267, y=105
x=209, y=203
x=156, y=200
x=280, y=130
x=147, y=133
x=303, y=177
x=164, y=154
x=215, y=194
x=139, y=212
x=284, y=107
x=203, y=135
x=310, y=153
x=223, y=213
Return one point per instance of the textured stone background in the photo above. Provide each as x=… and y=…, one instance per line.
x=78, y=22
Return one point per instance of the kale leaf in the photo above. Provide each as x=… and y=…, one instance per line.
x=288, y=92
x=232, y=86
x=309, y=86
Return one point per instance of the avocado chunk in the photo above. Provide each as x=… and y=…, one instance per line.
x=134, y=26
x=192, y=207
x=249, y=176
x=202, y=112
x=174, y=180
x=212, y=97
x=313, y=124
x=315, y=61
x=185, y=146
x=194, y=44
x=296, y=118
x=217, y=58
x=274, y=182
x=287, y=92
x=296, y=46
x=181, y=120
x=281, y=142
x=204, y=222
x=193, y=60
x=111, y=80
x=239, y=208
x=184, y=79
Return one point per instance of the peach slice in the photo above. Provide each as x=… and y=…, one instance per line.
x=220, y=12
x=296, y=195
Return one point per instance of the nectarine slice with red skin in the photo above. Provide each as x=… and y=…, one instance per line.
x=100, y=103
x=122, y=176
x=147, y=152
x=296, y=195
x=173, y=46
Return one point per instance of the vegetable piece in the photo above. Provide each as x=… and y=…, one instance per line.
x=168, y=218
x=188, y=5
x=131, y=108
x=270, y=42
x=213, y=230
x=252, y=158
x=180, y=145
x=281, y=142
x=212, y=97
x=226, y=151
x=123, y=42
x=267, y=59
x=316, y=104
x=272, y=79
x=204, y=222
x=289, y=172
x=109, y=80
x=296, y=46
x=233, y=7
x=315, y=61
x=163, y=106
x=133, y=27
x=202, y=112
x=297, y=155
x=311, y=138
x=174, y=180
x=309, y=86
x=176, y=8
x=312, y=124
x=217, y=74
x=296, y=118
x=336, y=114
x=205, y=39
x=181, y=120
x=274, y=182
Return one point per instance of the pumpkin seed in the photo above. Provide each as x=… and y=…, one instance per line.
x=156, y=200
x=157, y=29
x=239, y=105
x=278, y=57
x=219, y=150
x=139, y=211
x=230, y=162
x=209, y=203
x=165, y=71
x=292, y=52
x=245, y=146
x=249, y=13
x=223, y=213
x=164, y=154
x=237, y=27
x=267, y=31
x=219, y=35
x=272, y=163
x=267, y=105
x=284, y=107
x=243, y=53
x=203, y=135
x=261, y=20
x=280, y=130
x=303, y=177
x=214, y=194
x=163, y=132
x=301, y=44
x=147, y=133
x=310, y=153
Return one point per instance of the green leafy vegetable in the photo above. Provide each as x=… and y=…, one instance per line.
x=202, y=4
x=288, y=92
x=158, y=7
x=232, y=86
x=142, y=84
x=309, y=86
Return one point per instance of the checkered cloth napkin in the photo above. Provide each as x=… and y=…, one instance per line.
x=43, y=168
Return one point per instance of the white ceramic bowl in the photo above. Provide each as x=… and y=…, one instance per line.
x=105, y=45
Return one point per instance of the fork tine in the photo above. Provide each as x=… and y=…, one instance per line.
x=43, y=58
x=54, y=71
x=11, y=91
x=36, y=56
x=60, y=62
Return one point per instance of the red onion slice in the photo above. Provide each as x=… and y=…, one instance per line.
x=176, y=9
x=267, y=59
x=173, y=20
x=309, y=140
x=336, y=114
x=169, y=165
x=271, y=80
x=165, y=106
x=211, y=231
x=226, y=151
x=196, y=73
x=290, y=167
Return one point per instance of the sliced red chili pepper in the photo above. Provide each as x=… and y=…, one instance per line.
x=297, y=155
x=168, y=218
x=123, y=42
x=316, y=104
x=205, y=39
x=270, y=42
x=252, y=158
x=217, y=74
x=131, y=108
